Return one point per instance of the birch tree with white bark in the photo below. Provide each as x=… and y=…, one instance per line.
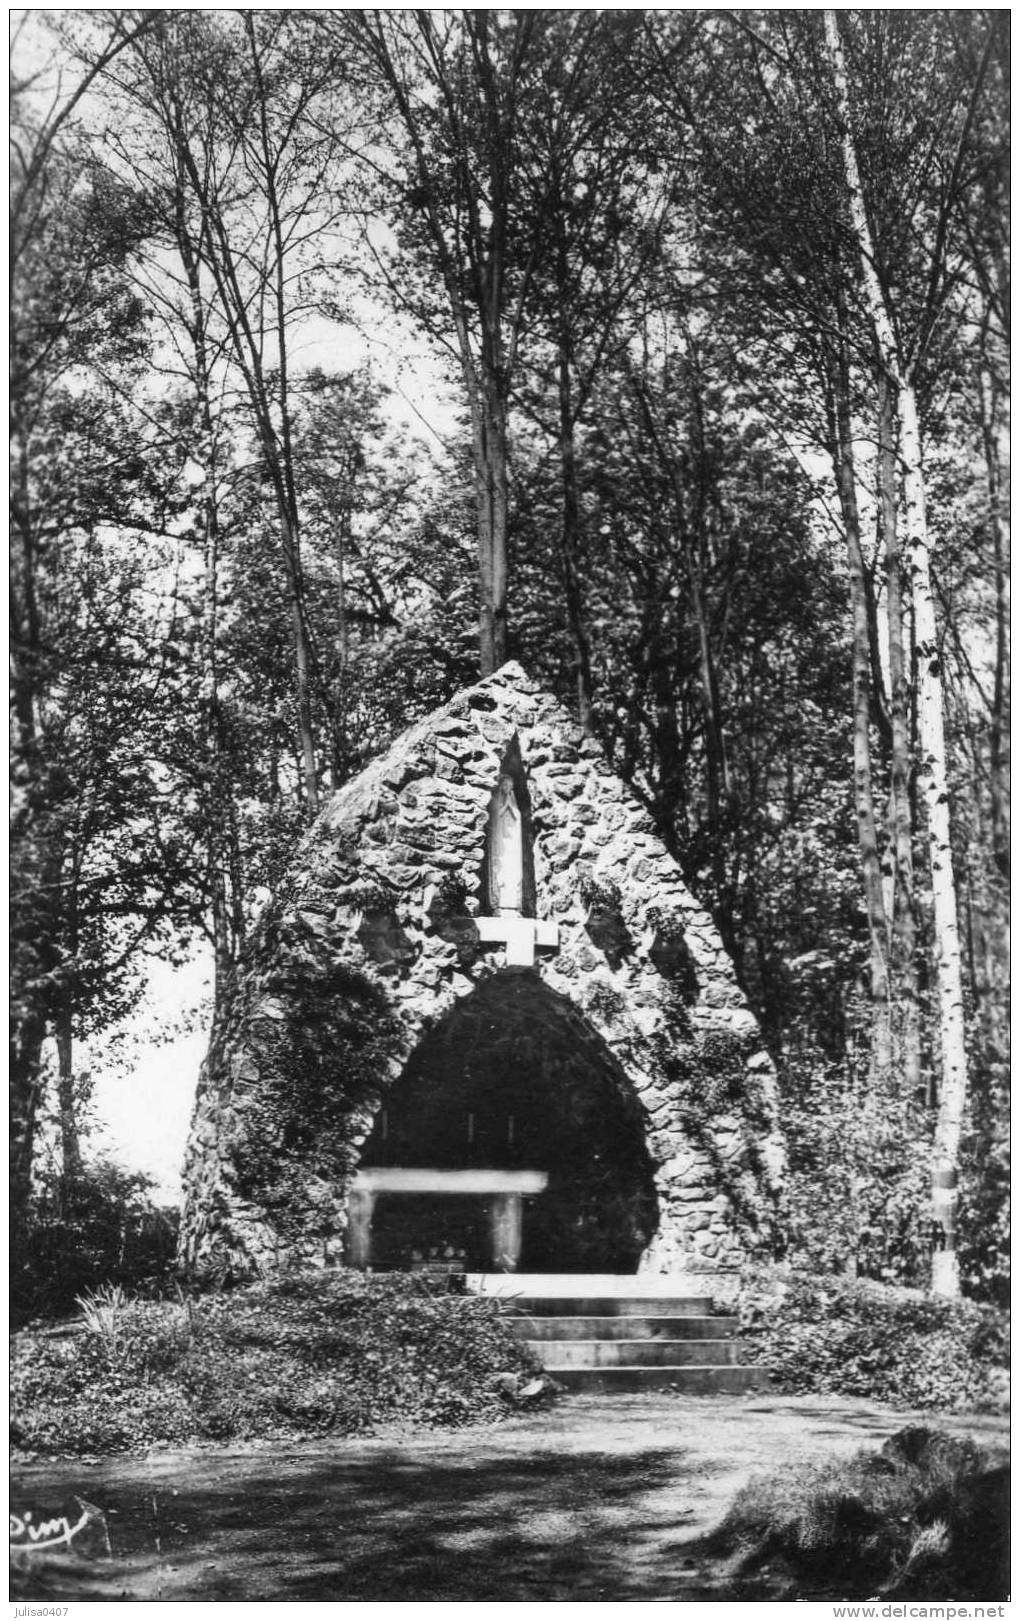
x=900, y=345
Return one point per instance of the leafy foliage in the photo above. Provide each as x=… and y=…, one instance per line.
x=333, y=1037
x=985, y=1240
x=857, y=1184
x=866, y=1339
x=101, y=1229
x=307, y=1354
x=857, y=1187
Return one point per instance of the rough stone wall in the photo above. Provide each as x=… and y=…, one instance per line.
x=369, y=941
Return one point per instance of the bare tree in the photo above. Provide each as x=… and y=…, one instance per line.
x=242, y=107
x=458, y=85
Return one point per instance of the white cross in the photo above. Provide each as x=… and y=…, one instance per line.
x=520, y=935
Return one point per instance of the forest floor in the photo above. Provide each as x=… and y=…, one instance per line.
x=594, y=1499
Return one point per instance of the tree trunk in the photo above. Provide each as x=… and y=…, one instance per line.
x=696, y=551
x=570, y=534
x=339, y=768
x=716, y=761
x=492, y=511
x=931, y=725
x=218, y=792
x=222, y=849
x=904, y=940
x=70, y=1141
x=935, y=788
x=249, y=315
x=864, y=798
x=25, y=1092
x=998, y=760
x=218, y=789
x=483, y=535
x=290, y=536
x=500, y=485
x=716, y=757
x=235, y=869
x=667, y=779
x=34, y=874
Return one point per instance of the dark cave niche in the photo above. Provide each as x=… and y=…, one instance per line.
x=513, y=1078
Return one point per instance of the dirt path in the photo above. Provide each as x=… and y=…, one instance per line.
x=596, y=1499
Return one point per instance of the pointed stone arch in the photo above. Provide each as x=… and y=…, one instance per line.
x=384, y=924
x=514, y=1080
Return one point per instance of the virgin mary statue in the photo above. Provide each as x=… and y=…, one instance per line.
x=506, y=851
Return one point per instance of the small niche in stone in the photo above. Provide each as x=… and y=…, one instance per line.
x=379, y=932
x=671, y=955
x=604, y=924
x=508, y=871
x=447, y=910
x=508, y=875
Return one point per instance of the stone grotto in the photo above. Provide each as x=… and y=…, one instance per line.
x=483, y=1025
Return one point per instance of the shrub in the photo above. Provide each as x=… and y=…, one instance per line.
x=858, y=1177
x=101, y=1228
x=867, y=1339
x=858, y=1182
x=984, y=1224
x=324, y=1054
x=303, y=1354
x=925, y=1517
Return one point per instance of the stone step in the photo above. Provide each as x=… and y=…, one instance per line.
x=645, y=1327
x=686, y=1381
x=595, y=1305
x=611, y=1332
x=588, y=1286
x=557, y=1355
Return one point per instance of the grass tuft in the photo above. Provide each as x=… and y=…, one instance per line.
x=102, y=1311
